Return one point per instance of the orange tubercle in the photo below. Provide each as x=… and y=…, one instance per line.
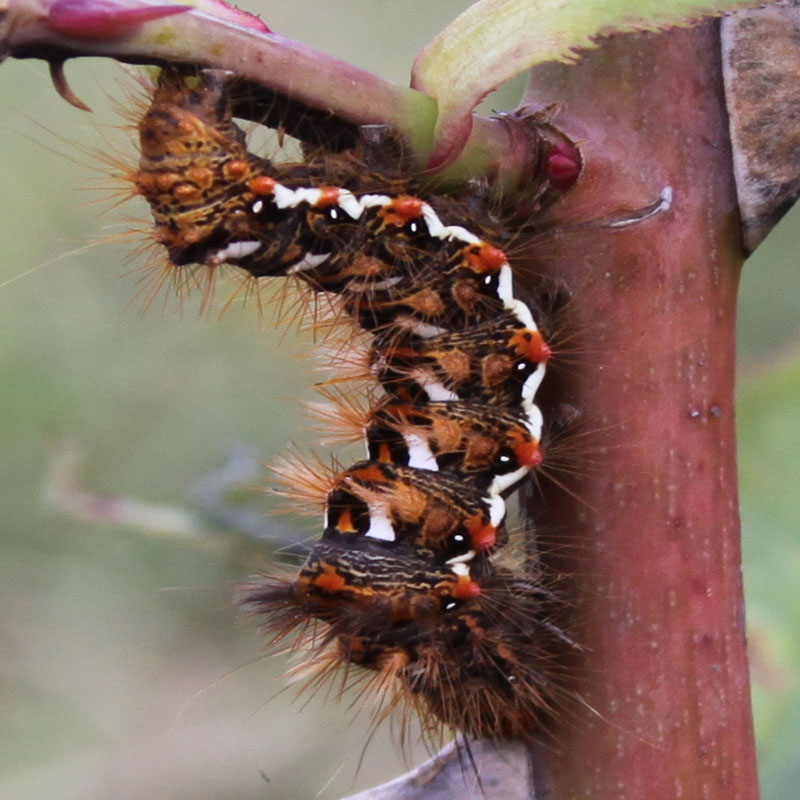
x=236, y=170
x=385, y=453
x=466, y=589
x=330, y=580
x=166, y=180
x=371, y=473
x=185, y=190
x=263, y=185
x=143, y=182
x=344, y=524
x=200, y=176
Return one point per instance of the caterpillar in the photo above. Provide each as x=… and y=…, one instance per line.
x=415, y=578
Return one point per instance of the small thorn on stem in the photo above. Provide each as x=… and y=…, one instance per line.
x=62, y=87
x=664, y=203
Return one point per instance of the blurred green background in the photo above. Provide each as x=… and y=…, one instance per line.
x=125, y=670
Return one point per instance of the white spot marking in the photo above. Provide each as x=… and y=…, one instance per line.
x=419, y=454
x=437, y=392
x=308, y=261
x=380, y=527
x=379, y=286
x=424, y=329
x=233, y=250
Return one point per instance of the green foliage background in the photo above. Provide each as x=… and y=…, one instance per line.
x=125, y=670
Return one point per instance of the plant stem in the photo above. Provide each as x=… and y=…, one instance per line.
x=656, y=529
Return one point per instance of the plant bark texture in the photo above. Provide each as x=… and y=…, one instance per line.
x=653, y=541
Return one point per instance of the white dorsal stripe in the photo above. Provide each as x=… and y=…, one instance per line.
x=432, y=220
x=503, y=482
x=350, y=204
x=497, y=509
x=307, y=195
x=505, y=284
x=462, y=570
x=534, y=422
x=531, y=386
x=462, y=559
x=459, y=233
x=522, y=313
x=283, y=196
x=374, y=200
x=505, y=291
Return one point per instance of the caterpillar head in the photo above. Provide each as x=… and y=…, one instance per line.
x=211, y=199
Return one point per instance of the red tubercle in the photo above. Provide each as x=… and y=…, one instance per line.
x=329, y=196
x=531, y=345
x=483, y=535
x=564, y=165
x=544, y=349
x=403, y=209
x=466, y=589
x=103, y=19
x=485, y=258
x=263, y=185
x=529, y=454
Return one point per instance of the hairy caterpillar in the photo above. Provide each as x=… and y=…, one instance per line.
x=412, y=578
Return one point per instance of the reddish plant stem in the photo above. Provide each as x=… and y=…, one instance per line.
x=656, y=531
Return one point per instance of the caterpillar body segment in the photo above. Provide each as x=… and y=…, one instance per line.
x=411, y=577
